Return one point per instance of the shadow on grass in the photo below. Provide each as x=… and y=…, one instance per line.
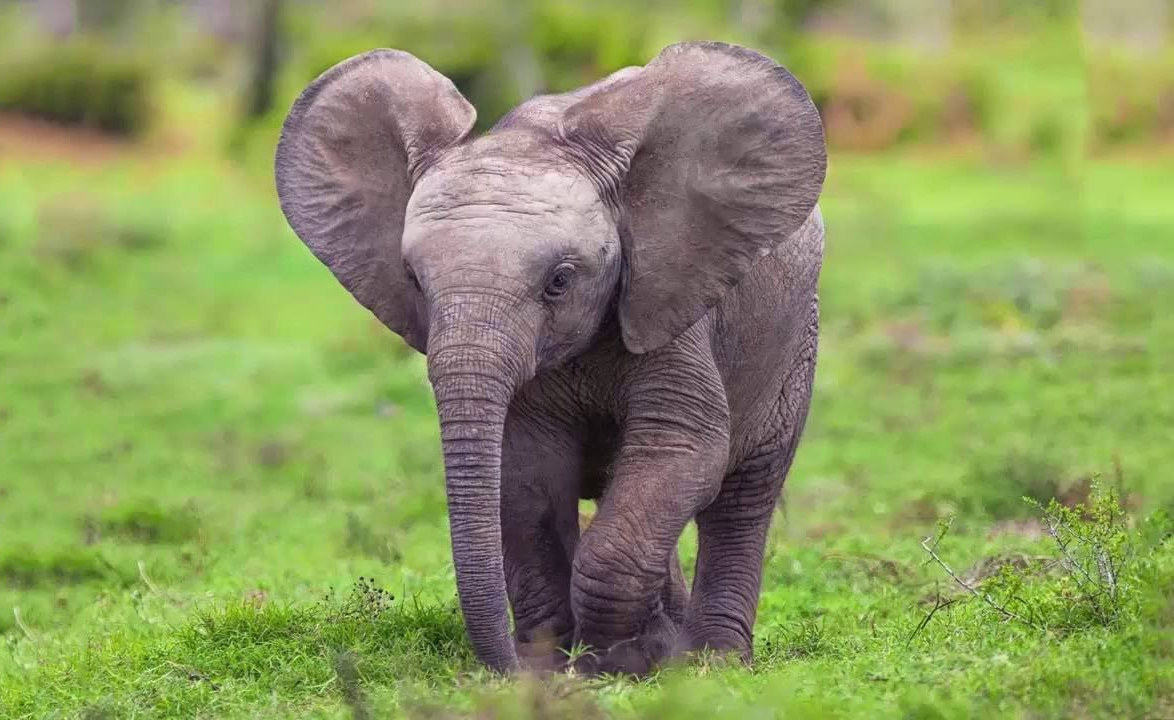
x=27, y=567
x=145, y=521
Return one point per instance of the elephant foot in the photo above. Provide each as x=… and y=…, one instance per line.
x=637, y=656
x=543, y=653
x=716, y=643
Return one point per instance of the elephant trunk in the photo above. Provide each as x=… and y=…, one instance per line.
x=474, y=378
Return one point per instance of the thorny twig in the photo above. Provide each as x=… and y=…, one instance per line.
x=931, y=549
x=938, y=604
x=1106, y=568
x=1053, y=529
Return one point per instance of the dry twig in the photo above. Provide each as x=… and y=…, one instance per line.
x=986, y=598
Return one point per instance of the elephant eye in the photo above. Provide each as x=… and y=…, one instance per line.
x=412, y=276
x=560, y=280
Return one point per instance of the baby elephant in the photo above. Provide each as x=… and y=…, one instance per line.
x=615, y=289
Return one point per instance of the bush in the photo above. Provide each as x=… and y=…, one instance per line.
x=81, y=84
x=1090, y=580
x=495, y=64
x=1131, y=102
x=1096, y=553
x=1014, y=83
x=875, y=97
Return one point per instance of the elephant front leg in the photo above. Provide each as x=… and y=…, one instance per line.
x=626, y=600
x=540, y=529
x=626, y=596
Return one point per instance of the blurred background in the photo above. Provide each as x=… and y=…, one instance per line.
x=1020, y=80
x=188, y=401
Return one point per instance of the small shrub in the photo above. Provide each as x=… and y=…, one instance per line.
x=1091, y=579
x=1095, y=550
x=366, y=601
x=82, y=84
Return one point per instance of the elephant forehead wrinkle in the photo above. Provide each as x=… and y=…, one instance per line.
x=523, y=206
x=488, y=221
x=531, y=194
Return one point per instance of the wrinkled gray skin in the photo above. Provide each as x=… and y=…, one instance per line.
x=616, y=292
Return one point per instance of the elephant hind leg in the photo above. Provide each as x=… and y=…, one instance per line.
x=540, y=528
x=675, y=597
x=732, y=530
x=731, y=541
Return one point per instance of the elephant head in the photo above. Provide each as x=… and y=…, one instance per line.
x=632, y=204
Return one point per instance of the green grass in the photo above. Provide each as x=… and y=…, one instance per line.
x=201, y=435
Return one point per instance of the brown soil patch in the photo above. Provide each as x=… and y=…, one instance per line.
x=24, y=138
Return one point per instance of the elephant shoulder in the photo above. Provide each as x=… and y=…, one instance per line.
x=804, y=248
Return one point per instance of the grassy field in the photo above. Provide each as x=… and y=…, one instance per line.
x=221, y=492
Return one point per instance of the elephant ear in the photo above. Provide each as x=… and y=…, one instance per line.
x=714, y=154
x=351, y=149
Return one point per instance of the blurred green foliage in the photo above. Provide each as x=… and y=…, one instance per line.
x=1018, y=80
x=81, y=83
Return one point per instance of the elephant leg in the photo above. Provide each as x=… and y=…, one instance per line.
x=675, y=596
x=731, y=541
x=671, y=458
x=732, y=531
x=540, y=528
